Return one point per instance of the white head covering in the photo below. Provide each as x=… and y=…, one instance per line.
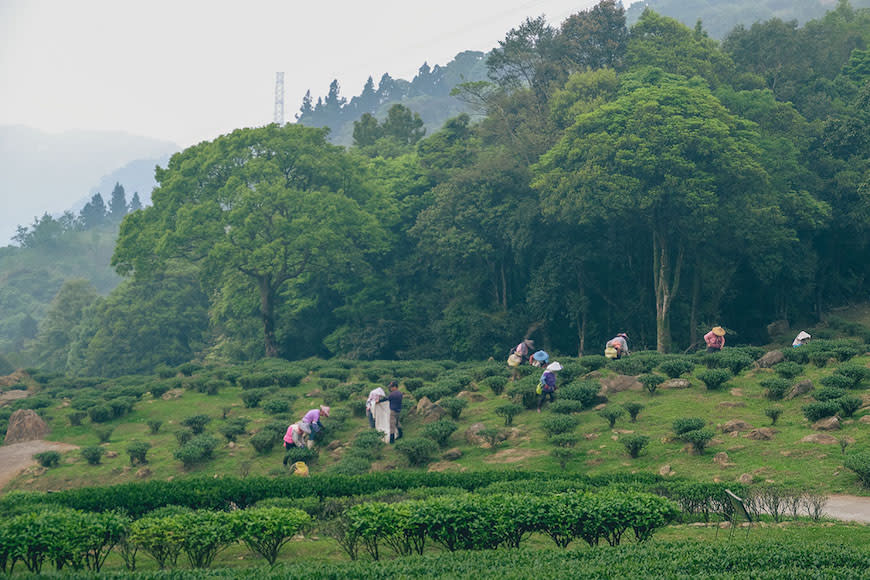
x=803, y=335
x=374, y=395
x=554, y=366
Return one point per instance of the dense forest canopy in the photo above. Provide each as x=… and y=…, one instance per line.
x=648, y=180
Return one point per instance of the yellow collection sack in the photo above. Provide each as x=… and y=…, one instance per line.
x=514, y=360
x=610, y=352
x=300, y=469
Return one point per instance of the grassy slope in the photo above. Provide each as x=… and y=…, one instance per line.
x=783, y=460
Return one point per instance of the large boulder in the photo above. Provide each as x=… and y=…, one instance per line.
x=619, y=383
x=736, y=425
x=762, y=434
x=769, y=359
x=828, y=424
x=428, y=411
x=802, y=388
x=25, y=425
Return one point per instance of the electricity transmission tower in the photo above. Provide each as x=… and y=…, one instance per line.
x=279, y=98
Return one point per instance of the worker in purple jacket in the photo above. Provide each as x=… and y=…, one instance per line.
x=310, y=422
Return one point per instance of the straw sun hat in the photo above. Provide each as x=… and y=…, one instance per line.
x=718, y=331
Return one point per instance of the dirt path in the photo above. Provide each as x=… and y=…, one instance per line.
x=17, y=457
x=848, y=508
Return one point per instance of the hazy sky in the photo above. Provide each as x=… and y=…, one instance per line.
x=189, y=70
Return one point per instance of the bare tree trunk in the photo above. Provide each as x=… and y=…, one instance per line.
x=267, y=314
x=666, y=280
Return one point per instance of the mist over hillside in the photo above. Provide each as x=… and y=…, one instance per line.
x=53, y=172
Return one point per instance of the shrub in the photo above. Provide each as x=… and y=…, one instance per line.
x=523, y=392
x=820, y=358
x=341, y=374
x=677, y=366
x=714, y=378
x=196, y=423
x=100, y=413
x=432, y=392
x=419, y=451
x=75, y=418
x=289, y=378
x=368, y=444
x=256, y=381
x=788, y=369
x=305, y=454
x=137, y=451
x=266, y=530
x=635, y=443
x=773, y=413
x=611, y=414
x=48, y=458
x=564, y=440
x=93, y=454
x=631, y=365
x=829, y=394
x=566, y=406
x=103, y=435
x=651, y=382
x=263, y=441
x=252, y=398
x=233, y=428
x=491, y=436
x=856, y=373
x=508, y=411
x=686, y=424
x=439, y=431
x=563, y=455
x=593, y=362
x=154, y=426
x=776, y=387
x=454, y=406
x=198, y=450
x=556, y=424
x=351, y=465
x=848, y=405
x=183, y=436
x=276, y=405
x=734, y=360
x=571, y=371
x=860, y=464
x=584, y=391
x=699, y=438
x=837, y=382
x=412, y=384
x=633, y=410
x=820, y=410
x=495, y=383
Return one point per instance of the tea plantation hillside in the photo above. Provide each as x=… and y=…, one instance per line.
x=624, y=473
x=706, y=417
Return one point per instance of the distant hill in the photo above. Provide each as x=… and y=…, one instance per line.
x=719, y=17
x=428, y=94
x=51, y=172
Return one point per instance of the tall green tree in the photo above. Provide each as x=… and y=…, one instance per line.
x=57, y=331
x=117, y=203
x=275, y=205
x=666, y=154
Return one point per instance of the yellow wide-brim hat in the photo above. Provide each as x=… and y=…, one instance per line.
x=718, y=331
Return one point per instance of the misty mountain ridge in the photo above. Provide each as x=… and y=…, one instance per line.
x=43, y=172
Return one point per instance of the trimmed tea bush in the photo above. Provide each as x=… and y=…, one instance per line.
x=651, y=382
x=860, y=464
x=829, y=394
x=453, y=405
x=686, y=424
x=196, y=423
x=495, y=383
x=635, y=443
x=788, y=369
x=419, y=451
x=773, y=413
x=633, y=409
x=714, y=378
x=820, y=410
x=776, y=387
x=677, y=366
x=611, y=414
x=439, y=431
x=566, y=406
x=48, y=458
x=509, y=411
x=137, y=451
x=263, y=441
x=556, y=424
x=857, y=373
x=93, y=454
x=848, y=405
x=838, y=382
x=699, y=438
x=233, y=428
x=584, y=391
x=266, y=530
